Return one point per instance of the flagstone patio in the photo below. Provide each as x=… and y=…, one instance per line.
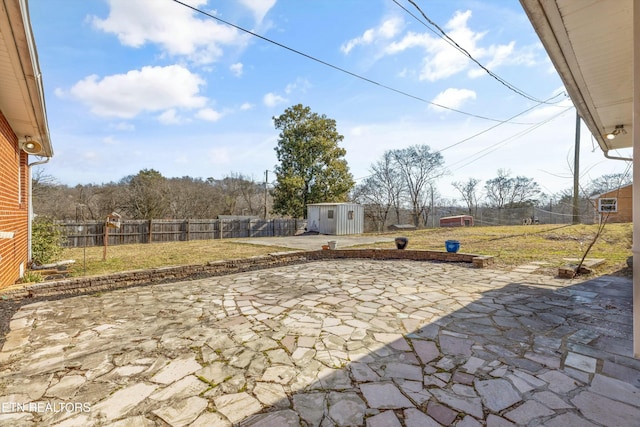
x=330, y=343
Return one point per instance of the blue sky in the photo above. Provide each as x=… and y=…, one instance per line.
x=135, y=84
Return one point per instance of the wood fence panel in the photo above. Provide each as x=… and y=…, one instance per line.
x=91, y=233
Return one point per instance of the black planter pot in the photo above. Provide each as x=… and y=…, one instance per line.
x=401, y=242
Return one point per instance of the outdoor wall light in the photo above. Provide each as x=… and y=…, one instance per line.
x=619, y=130
x=30, y=146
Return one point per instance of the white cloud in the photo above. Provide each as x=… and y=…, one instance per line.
x=170, y=117
x=246, y=106
x=259, y=8
x=499, y=55
x=442, y=60
x=272, y=100
x=124, y=126
x=170, y=25
x=148, y=89
x=300, y=85
x=237, y=69
x=388, y=29
x=409, y=41
x=453, y=98
x=209, y=114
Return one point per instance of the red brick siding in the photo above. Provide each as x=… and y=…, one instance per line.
x=14, y=213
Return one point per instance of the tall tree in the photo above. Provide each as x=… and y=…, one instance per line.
x=469, y=191
x=312, y=167
x=420, y=168
x=147, y=195
x=608, y=182
x=505, y=191
x=382, y=191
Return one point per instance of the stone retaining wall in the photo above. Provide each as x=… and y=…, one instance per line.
x=84, y=285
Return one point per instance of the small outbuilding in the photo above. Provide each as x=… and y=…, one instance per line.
x=335, y=218
x=615, y=205
x=456, y=221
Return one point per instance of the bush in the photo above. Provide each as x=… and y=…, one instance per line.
x=46, y=240
x=31, y=277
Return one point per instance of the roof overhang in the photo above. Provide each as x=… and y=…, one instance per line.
x=590, y=43
x=21, y=90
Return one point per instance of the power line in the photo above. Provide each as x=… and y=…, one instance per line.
x=335, y=67
x=443, y=35
x=497, y=145
x=517, y=135
x=499, y=124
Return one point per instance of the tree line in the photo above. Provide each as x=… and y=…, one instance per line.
x=311, y=169
x=149, y=195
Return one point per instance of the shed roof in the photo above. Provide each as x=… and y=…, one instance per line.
x=331, y=204
x=609, y=193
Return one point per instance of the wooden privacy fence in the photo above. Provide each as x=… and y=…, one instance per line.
x=91, y=233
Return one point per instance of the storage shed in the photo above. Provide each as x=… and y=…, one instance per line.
x=335, y=218
x=615, y=205
x=456, y=221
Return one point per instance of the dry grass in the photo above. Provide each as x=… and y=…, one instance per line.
x=511, y=246
x=141, y=256
x=516, y=245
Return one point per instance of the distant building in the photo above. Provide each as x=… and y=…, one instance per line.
x=456, y=221
x=335, y=218
x=615, y=205
x=23, y=132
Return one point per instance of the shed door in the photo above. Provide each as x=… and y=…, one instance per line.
x=313, y=221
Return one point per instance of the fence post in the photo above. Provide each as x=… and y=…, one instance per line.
x=150, y=239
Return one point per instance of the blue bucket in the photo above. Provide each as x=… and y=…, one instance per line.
x=452, y=245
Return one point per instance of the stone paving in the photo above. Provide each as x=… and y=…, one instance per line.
x=331, y=343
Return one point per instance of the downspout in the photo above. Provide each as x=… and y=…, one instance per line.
x=606, y=154
x=30, y=203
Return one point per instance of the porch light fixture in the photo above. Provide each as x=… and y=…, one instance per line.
x=30, y=146
x=619, y=130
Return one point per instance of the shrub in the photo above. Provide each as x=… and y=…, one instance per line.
x=31, y=277
x=46, y=240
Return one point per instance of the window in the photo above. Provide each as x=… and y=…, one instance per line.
x=350, y=215
x=330, y=214
x=608, y=205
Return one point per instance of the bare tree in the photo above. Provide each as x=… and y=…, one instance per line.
x=420, y=167
x=375, y=199
x=505, y=191
x=469, y=192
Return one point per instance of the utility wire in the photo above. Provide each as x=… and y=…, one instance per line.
x=535, y=126
x=195, y=9
x=497, y=145
x=498, y=124
x=443, y=35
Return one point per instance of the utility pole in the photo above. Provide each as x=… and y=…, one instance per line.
x=576, y=174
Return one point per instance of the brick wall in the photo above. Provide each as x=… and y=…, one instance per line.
x=14, y=213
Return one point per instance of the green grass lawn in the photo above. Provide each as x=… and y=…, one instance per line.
x=510, y=245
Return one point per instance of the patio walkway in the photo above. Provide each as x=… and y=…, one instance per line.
x=330, y=343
